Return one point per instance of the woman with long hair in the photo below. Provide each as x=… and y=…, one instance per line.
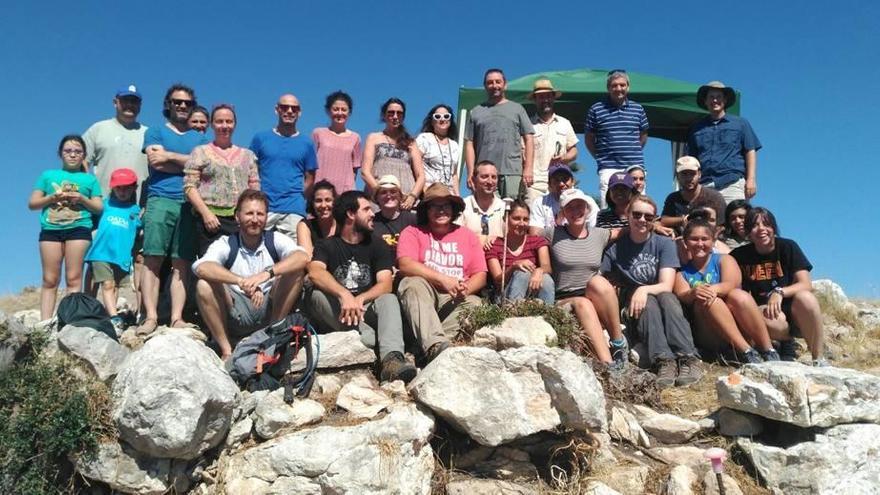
x=320, y=223
x=67, y=198
x=338, y=148
x=735, y=234
x=394, y=152
x=525, y=267
x=439, y=149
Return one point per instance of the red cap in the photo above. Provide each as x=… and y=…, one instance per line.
x=123, y=177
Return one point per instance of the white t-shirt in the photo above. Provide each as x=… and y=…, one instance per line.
x=249, y=262
x=441, y=160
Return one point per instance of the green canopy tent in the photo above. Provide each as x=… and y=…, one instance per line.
x=670, y=104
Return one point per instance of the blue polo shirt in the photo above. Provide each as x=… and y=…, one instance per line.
x=617, y=130
x=283, y=163
x=721, y=145
x=167, y=184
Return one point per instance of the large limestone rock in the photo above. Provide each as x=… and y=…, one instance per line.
x=102, y=354
x=516, y=332
x=487, y=487
x=389, y=455
x=498, y=397
x=273, y=414
x=126, y=471
x=625, y=427
x=13, y=336
x=338, y=350
x=362, y=398
x=669, y=428
x=681, y=481
x=802, y=395
x=30, y=318
x=172, y=398
x=831, y=290
x=842, y=460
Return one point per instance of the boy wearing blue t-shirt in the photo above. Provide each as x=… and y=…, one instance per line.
x=110, y=255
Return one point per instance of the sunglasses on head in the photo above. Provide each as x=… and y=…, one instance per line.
x=621, y=71
x=288, y=108
x=182, y=103
x=442, y=116
x=649, y=217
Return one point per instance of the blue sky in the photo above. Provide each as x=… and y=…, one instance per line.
x=808, y=73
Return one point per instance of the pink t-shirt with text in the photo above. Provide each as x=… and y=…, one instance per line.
x=457, y=254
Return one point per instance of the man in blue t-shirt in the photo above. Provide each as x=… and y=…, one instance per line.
x=725, y=145
x=287, y=163
x=168, y=225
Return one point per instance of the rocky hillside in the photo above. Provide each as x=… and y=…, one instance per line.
x=511, y=410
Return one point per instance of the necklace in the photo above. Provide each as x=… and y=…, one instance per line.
x=445, y=170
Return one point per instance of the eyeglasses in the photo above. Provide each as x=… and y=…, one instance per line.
x=442, y=116
x=182, y=103
x=72, y=151
x=288, y=108
x=484, y=224
x=637, y=215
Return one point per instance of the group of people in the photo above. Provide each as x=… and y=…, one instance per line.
x=279, y=225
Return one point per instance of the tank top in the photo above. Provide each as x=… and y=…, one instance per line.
x=712, y=275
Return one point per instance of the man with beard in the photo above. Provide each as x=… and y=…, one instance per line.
x=287, y=162
x=390, y=220
x=690, y=193
x=484, y=211
x=498, y=130
x=444, y=269
x=616, y=131
x=555, y=140
x=168, y=222
x=351, y=278
x=116, y=143
x=256, y=289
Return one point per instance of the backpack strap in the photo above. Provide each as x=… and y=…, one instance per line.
x=234, y=246
x=269, y=242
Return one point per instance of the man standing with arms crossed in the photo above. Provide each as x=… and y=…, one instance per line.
x=498, y=130
x=616, y=131
x=287, y=162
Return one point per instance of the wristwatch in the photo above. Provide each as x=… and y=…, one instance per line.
x=270, y=270
x=778, y=290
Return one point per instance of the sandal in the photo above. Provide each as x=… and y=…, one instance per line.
x=180, y=323
x=147, y=327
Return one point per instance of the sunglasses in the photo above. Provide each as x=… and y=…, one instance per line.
x=637, y=215
x=288, y=108
x=442, y=116
x=72, y=151
x=182, y=103
x=484, y=224
x=620, y=71
x=394, y=112
x=440, y=206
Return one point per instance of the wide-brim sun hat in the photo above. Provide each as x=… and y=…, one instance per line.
x=729, y=94
x=544, y=85
x=437, y=192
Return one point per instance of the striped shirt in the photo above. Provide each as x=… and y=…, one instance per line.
x=607, y=219
x=616, y=130
x=575, y=261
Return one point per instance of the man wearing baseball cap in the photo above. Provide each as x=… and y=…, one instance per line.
x=390, y=220
x=725, y=145
x=116, y=143
x=690, y=192
x=555, y=140
x=546, y=210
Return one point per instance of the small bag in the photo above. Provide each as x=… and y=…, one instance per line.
x=82, y=310
x=261, y=360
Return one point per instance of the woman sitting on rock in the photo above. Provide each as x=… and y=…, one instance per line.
x=708, y=284
x=735, y=234
x=777, y=274
x=643, y=264
x=576, y=253
x=320, y=223
x=526, y=267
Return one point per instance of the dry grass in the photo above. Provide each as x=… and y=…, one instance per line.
x=29, y=298
x=697, y=400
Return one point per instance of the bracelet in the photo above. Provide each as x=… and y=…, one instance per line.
x=779, y=290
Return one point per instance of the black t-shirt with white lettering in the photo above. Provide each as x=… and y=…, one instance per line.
x=354, y=266
x=762, y=272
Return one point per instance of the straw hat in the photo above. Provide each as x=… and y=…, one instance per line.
x=543, y=85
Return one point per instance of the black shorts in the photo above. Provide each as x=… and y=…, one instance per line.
x=63, y=235
x=793, y=329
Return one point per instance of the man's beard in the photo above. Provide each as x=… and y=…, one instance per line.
x=363, y=228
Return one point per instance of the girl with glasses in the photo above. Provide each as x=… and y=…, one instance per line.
x=440, y=151
x=67, y=198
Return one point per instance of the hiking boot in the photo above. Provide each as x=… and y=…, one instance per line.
x=788, y=350
x=619, y=353
x=690, y=370
x=435, y=351
x=396, y=367
x=770, y=355
x=666, y=372
x=751, y=356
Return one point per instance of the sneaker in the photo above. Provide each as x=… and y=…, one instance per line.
x=435, y=350
x=788, y=350
x=821, y=363
x=690, y=370
x=666, y=372
x=396, y=367
x=770, y=355
x=118, y=323
x=619, y=354
x=751, y=356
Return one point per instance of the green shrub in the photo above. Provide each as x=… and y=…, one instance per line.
x=47, y=412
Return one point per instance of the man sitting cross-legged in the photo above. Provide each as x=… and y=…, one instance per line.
x=351, y=275
x=259, y=286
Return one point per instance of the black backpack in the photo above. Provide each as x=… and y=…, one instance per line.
x=261, y=360
x=82, y=310
x=235, y=245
